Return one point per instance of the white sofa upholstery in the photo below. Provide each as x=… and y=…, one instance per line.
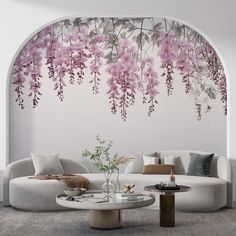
x=220, y=168
x=31, y=194
x=207, y=194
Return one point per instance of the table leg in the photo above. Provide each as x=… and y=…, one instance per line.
x=167, y=210
x=105, y=219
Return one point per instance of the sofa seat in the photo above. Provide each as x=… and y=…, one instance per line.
x=35, y=195
x=207, y=193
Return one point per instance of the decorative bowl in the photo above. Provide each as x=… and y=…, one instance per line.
x=72, y=192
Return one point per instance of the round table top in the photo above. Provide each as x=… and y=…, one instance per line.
x=96, y=201
x=153, y=188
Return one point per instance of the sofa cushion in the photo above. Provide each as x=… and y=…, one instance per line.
x=206, y=194
x=152, y=159
x=159, y=169
x=200, y=164
x=46, y=164
x=136, y=166
x=170, y=159
x=34, y=194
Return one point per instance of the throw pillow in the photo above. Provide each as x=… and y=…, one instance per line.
x=162, y=169
x=135, y=166
x=152, y=159
x=199, y=164
x=170, y=160
x=46, y=164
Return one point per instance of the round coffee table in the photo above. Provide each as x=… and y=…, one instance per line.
x=167, y=203
x=103, y=214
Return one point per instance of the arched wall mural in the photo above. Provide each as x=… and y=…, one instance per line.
x=155, y=74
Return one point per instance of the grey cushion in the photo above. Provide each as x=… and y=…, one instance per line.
x=200, y=164
x=46, y=164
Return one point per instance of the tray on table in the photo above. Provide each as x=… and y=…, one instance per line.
x=160, y=187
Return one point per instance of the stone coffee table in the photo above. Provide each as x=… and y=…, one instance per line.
x=103, y=214
x=167, y=203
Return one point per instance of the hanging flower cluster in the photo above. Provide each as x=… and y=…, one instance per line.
x=215, y=72
x=70, y=59
x=51, y=48
x=167, y=54
x=77, y=50
x=96, y=63
x=29, y=64
x=123, y=78
x=186, y=62
x=151, y=82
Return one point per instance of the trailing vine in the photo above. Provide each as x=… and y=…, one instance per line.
x=128, y=49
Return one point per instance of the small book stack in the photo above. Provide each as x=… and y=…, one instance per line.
x=130, y=196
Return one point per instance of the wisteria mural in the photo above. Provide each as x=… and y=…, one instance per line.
x=137, y=54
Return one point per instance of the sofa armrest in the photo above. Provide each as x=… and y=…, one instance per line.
x=25, y=167
x=224, y=170
x=15, y=169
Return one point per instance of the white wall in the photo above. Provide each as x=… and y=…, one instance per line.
x=70, y=126
x=215, y=18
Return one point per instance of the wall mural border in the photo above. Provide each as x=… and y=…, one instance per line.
x=124, y=47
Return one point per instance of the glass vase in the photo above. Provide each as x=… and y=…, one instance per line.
x=108, y=189
x=117, y=184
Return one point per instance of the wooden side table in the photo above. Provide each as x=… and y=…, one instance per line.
x=167, y=203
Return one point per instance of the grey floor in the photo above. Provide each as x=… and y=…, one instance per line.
x=135, y=222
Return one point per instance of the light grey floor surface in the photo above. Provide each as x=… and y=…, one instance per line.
x=135, y=222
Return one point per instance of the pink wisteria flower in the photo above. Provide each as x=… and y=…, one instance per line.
x=186, y=62
x=71, y=48
x=29, y=63
x=124, y=78
x=53, y=45
x=76, y=53
x=167, y=53
x=18, y=79
x=151, y=81
x=60, y=71
x=94, y=68
x=69, y=58
x=185, y=59
x=96, y=50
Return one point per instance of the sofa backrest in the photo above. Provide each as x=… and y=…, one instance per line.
x=71, y=166
x=93, y=169
x=183, y=159
x=25, y=167
x=220, y=166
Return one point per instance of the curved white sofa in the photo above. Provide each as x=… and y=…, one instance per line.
x=207, y=193
x=31, y=194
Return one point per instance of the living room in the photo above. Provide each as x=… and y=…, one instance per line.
x=172, y=109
